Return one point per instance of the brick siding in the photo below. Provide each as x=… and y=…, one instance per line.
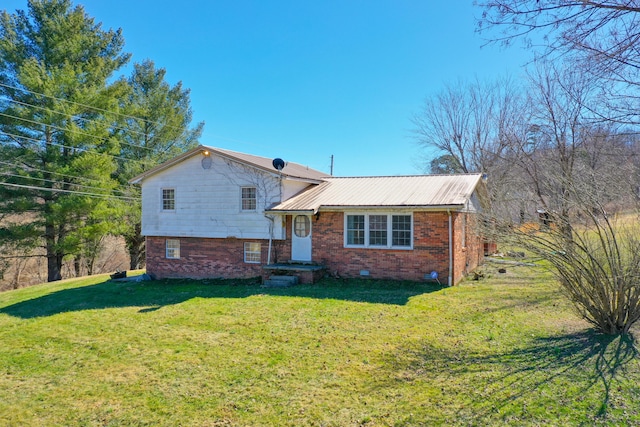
x=224, y=258
x=203, y=258
x=430, y=249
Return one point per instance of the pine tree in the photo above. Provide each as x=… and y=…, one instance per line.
x=157, y=128
x=57, y=145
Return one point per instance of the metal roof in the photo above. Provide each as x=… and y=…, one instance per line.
x=291, y=170
x=425, y=191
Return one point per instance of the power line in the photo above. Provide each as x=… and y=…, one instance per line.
x=71, y=130
x=57, y=182
x=84, y=119
x=68, y=146
x=33, y=169
x=85, y=105
x=221, y=137
x=59, y=190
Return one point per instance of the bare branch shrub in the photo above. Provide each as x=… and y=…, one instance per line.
x=595, y=255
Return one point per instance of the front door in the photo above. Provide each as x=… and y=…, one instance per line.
x=301, y=238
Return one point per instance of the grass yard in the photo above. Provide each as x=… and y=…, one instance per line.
x=506, y=350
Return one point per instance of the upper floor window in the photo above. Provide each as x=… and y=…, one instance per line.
x=168, y=199
x=249, y=199
x=379, y=231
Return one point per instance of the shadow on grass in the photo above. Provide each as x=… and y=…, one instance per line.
x=154, y=295
x=552, y=378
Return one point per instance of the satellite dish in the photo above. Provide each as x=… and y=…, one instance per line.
x=278, y=164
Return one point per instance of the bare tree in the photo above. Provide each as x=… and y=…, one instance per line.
x=601, y=36
x=475, y=127
x=594, y=253
x=577, y=173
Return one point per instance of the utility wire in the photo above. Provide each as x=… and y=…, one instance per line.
x=59, y=190
x=71, y=130
x=32, y=169
x=48, y=110
x=68, y=146
x=84, y=105
x=58, y=182
x=223, y=138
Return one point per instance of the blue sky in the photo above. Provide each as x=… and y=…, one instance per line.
x=304, y=80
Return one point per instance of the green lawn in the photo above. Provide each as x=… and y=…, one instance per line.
x=506, y=350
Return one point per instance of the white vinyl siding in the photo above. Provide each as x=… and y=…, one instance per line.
x=379, y=230
x=208, y=202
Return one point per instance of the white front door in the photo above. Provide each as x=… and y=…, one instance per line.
x=301, y=238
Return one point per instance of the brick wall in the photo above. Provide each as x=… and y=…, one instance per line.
x=430, y=251
x=203, y=258
x=224, y=258
x=469, y=256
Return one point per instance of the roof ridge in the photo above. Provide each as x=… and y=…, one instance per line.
x=406, y=176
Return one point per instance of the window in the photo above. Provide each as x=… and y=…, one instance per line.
x=168, y=199
x=249, y=198
x=173, y=248
x=377, y=230
x=302, y=226
x=382, y=231
x=252, y=252
x=355, y=229
x=401, y=230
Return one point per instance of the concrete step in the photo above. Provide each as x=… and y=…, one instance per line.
x=290, y=279
x=281, y=281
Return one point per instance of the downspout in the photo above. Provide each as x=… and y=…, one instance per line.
x=450, y=280
x=271, y=226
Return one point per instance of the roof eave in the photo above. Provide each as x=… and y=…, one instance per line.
x=290, y=211
x=398, y=207
x=202, y=148
x=329, y=208
x=138, y=179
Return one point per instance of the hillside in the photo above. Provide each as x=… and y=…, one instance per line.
x=506, y=350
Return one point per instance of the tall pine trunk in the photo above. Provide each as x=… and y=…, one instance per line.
x=137, y=250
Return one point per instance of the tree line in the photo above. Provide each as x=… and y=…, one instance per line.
x=73, y=131
x=560, y=148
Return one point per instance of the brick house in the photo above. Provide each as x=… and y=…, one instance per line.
x=217, y=213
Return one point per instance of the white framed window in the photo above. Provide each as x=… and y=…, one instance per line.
x=168, y=199
x=378, y=230
x=249, y=199
x=355, y=230
x=252, y=252
x=172, y=250
x=401, y=230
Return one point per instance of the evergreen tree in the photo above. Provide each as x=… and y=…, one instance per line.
x=56, y=144
x=157, y=128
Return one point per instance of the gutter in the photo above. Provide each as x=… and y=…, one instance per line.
x=450, y=279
